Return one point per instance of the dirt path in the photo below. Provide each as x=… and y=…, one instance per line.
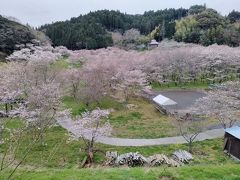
x=210, y=134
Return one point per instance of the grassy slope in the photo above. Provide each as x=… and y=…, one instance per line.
x=59, y=152
x=141, y=121
x=228, y=171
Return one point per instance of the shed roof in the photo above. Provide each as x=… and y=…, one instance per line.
x=163, y=101
x=234, y=131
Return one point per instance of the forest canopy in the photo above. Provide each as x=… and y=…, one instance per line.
x=198, y=24
x=91, y=31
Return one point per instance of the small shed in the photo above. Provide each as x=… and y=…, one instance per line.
x=162, y=102
x=153, y=44
x=232, y=142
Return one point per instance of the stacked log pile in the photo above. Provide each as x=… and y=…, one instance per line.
x=161, y=159
x=131, y=159
x=182, y=156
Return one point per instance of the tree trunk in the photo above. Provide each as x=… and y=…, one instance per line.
x=6, y=108
x=90, y=157
x=190, y=146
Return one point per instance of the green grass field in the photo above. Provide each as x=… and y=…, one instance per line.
x=143, y=120
x=191, y=85
x=78, y=107
x=59, y=152
x=219, y=172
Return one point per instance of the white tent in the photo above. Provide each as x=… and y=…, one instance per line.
x=164, y=101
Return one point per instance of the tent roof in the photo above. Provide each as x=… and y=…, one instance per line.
x=234, y=131
x=163, y=101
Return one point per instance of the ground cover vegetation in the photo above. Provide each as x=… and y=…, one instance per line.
x=196, y=172
x=104, y=92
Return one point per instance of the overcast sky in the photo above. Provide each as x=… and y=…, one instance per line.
x=38, y=12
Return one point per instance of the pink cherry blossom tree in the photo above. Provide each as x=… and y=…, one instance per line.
x=172, y=62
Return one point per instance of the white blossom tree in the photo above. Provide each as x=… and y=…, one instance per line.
x=189, y=127
x=130, y=82
x=222, y=103
x=89, y=127
x=32, y=90
x=131, y=34
x=73, y=78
